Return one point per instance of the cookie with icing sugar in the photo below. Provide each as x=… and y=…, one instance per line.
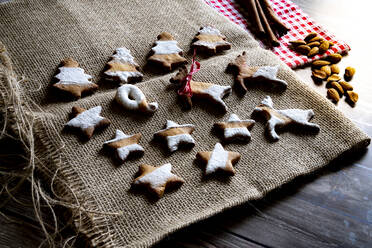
x=213, y=93
x=73, y=80
x=132, y=98
x=235, y=129
x=176, y=135
x=166, y=53
x=210, y=40
x=122, y=67
x=87, y=121
x=219, y=160
x=125, y=145
x=279, y=119
x=157, y=179
x=252, y=75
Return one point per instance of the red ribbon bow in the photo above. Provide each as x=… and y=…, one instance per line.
x=186, y=88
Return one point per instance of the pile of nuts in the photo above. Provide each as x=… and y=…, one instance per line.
x=327, y=69
x=311, y=45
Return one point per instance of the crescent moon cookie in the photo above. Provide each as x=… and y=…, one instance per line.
x=73, y=80
x=212, y=92
x=210, y=40
x=87, y=121
x=166, y=52
x=219, y=160
x=122, y=67
x=281, y=118
x=176, y=135
x=157, y=179
x=245, y=74
x=235, y=128
x=125, y=145
x=132, y=98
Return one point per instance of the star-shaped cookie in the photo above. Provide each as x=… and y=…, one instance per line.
x=157, y=179
x=245, y=74
x=210, y=40
x=282, y=118
x=87, y=120
x=125, y=145
x=219, y=160
x=175, y=135
x=122, y=67
x=235, y=129
x=72, y=79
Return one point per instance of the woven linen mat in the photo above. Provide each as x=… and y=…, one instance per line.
x=39, y=34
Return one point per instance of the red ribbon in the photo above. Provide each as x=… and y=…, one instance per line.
x=186, y=88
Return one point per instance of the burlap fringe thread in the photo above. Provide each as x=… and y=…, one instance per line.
x=24, y=121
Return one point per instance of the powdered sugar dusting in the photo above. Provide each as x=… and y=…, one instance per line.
x=175, y=140
x=166, y=47
x=124, y=56
x=73, y=75
x=86, y=119
x=269, y=72
x=210, y=31
x=132, y=98
x=217, y=92
x=124, y=75
x=211, y=45
x=217, y=160
x=123, y=152
x=158, y=177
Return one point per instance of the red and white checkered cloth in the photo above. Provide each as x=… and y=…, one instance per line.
x=293, y=17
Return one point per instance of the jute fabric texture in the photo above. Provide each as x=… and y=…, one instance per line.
x=39, y=34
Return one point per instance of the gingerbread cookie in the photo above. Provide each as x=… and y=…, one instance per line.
x=235, y=129
x=73, y=80
x=132, y=98
x=219, y=160
x=125, y=145
x=122, y=67
x=166, y=52
x=212, y=92
x=245, y=74
x=176, y=135
x=210, y=40
x=87, y=120
x=157, y=179
x=282, y=118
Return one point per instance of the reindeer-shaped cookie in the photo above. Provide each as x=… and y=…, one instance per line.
x=245, y=74
x=209, y=91
x=281, y=118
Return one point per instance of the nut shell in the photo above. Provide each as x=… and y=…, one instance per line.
x=320, y=63
x=334, y=58
x=333, y=95
x=346, y=86
x=335, y=69
x=349, y=73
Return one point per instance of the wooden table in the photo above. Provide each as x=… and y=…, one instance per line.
x=331, y=208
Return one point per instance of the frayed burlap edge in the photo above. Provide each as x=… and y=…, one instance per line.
x=25, y=121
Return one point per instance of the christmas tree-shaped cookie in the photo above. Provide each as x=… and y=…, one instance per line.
x=73, y=80
x=166, y=52
x=122, y=67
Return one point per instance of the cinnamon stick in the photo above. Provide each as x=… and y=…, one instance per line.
x=272, y=40
x=281, y=28
x=251, y=5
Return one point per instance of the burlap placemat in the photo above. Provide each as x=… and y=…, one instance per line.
x=38, y=34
